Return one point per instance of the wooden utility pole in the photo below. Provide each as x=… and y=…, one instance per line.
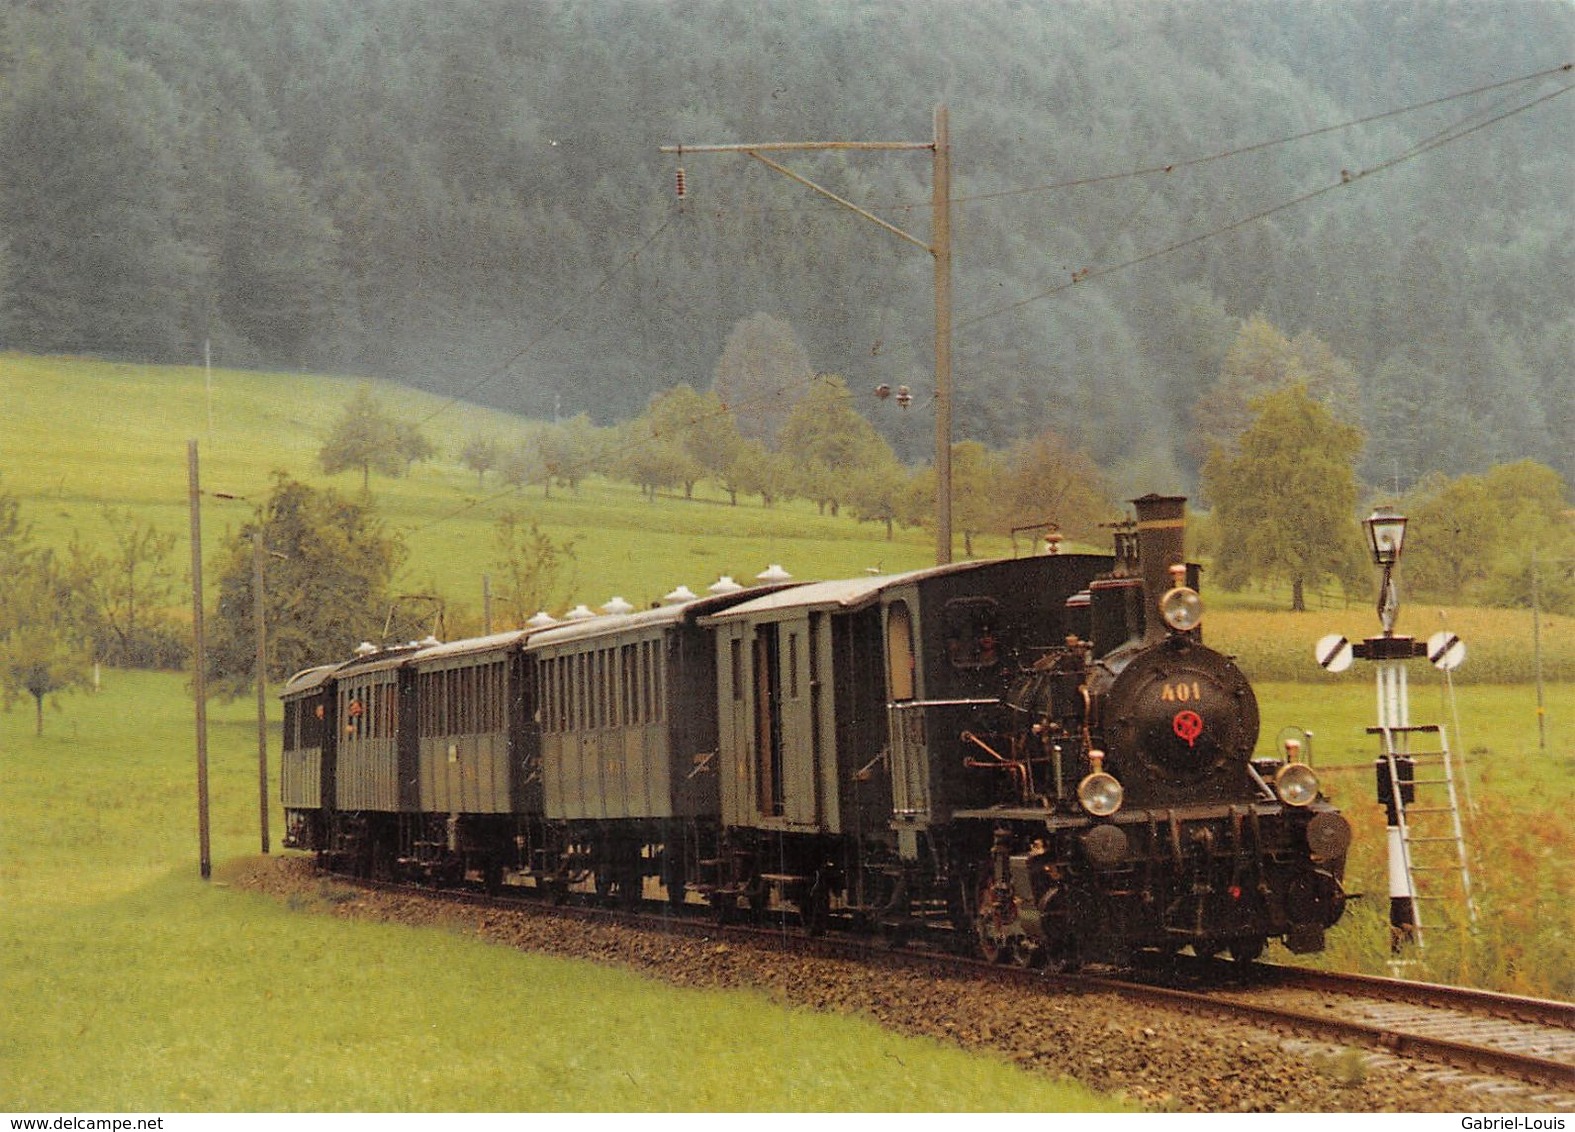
x=940, y=248
x=199, y=659
x=260, y=630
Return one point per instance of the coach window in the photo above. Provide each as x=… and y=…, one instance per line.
x=971, y=640
x=657, y=677
x=899, y=651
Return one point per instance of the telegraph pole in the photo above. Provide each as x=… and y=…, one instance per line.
x=259, y=629
x=939, y=246
x=199, y=659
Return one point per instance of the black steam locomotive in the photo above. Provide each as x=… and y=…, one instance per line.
x=1037, y=755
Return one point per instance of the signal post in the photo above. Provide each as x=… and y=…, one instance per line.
x=1395, y=768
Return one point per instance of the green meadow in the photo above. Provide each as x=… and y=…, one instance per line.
x=128, y=983
x=78, y=436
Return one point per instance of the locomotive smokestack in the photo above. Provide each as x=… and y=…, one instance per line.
x=1161, y=526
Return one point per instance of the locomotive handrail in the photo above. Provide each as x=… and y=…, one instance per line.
x=899, y=705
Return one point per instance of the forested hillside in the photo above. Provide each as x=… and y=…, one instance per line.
x=469, y=197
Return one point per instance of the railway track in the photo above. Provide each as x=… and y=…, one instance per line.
x=1506, y=1036
x=1528, y=1038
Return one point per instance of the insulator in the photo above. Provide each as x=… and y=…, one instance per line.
x=904, y=396
x=882, y=391
x=683, y=187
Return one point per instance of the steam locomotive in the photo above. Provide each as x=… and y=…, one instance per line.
x=1036, y=758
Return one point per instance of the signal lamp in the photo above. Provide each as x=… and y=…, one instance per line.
x=1385, y=535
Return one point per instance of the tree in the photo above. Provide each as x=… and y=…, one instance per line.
x=1284, y=505
x=1260, y=361
x=762, y=373
x=1046, y=479
x=326, y=584
x=275, y=279
x=878, y=493
x=657, y=449
x=653, y=461
x=126, y=595
x=1480, y=537
x=702, y=428
x=366, y=437
x=40, y=643
x=572, y=450
x=532, y=568
x=89, y=203
x=757, y=470
x=523, y=465
x=827, y=442
x=480, y=454
x=976, y=504
x=41, y=650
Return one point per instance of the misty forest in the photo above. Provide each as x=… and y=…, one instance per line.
x=471, y=198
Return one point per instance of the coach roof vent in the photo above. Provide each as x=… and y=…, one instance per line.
x=682, y=593
x=617, y=605
x=365, y=648
x=773, y=573
x=578, y=613
x=724, y=585
x=541, y=621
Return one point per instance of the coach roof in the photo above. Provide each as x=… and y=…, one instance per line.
x=495, y=642
x=683, y=613
x=846, y=594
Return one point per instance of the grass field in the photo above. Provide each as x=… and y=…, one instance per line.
x=81, y=435
x=129, y=984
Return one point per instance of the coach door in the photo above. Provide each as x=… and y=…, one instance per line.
x=786, y=735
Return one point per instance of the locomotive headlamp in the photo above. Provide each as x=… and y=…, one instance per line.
x=1296, y=784
x=1099, y=793
x=1181, y=608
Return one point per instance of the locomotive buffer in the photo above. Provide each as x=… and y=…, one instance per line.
x=1427, y=846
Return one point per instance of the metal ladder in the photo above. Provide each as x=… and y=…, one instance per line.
x=1433, y=841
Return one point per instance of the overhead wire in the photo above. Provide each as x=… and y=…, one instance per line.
x=1446, y=136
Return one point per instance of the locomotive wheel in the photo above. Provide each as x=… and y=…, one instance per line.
x=997, y=928
x=1063, y=957
x=1027, y=953
x=1247, y=949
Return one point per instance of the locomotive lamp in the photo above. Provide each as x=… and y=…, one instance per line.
x=1099, y=793
x=1181, y=607
x=1296, y=784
